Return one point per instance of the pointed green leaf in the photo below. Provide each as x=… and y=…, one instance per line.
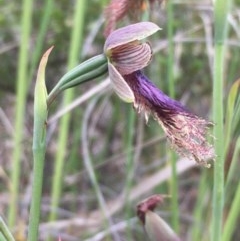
x=232, y=96
x=231, y=112
x=40, y=101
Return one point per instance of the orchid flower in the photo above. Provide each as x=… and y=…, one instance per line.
x=127, y=56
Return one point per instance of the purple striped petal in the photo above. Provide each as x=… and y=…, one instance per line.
x=131, y=57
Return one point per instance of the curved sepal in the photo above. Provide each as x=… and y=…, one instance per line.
x=120, y=86
x=133, y=32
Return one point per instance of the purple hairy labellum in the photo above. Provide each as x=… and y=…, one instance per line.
x=185, y=131
x=127, y=56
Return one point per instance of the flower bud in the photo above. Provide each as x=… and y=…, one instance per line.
x=156, y=228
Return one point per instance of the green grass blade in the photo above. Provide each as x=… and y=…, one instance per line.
x=4, y=232
x=220, y=23
x=130, y=167
x=171, y=90
x=231, y=223
x=90, y=169
x=76, y=41
x=232, y=99
x=39, y=147
x=45, y=20
x=21, y=88
x=233, y=167
x=196, y=230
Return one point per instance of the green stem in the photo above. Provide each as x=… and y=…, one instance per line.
x=171, y=90
x=231, y=221
x=5, y=231
x=198, y=214
x=21, y=88
x=47, y=11
x=76, y=40
x=35, y=211
x=233, y=167
x=129, y=168
x=220, y=23
x=174, y=192
x=90, y=168
x=130, y=159
x=38, y=147
x=170, y=49
x=218, y=189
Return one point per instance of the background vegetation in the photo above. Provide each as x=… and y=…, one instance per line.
x=102, y=138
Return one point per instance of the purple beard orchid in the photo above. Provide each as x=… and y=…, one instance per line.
x=127, y=56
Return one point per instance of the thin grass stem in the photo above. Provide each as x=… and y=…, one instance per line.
x=90, y=169
x=218, y=189
x=196, y=230
x=44, y=24
x=220, y=23
x=171, y=90
x=5, y=232
x=38, y=147
x=130, y=167
x=76, y=42
x=21, y=88
x=231, y=221
x=234, y=165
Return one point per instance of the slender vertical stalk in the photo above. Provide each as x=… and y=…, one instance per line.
x=21, y=88
x=196, y=230
x=90, y=169
x=220, y=23
x=129, y=159
x=171, y=90
x=170, y=60
x=48, y=8
x=218, y=189
x=39, y=156
x=39, y=147
x=129, y=167
x=231, y=222
x=6, y=235
x=76, y=41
